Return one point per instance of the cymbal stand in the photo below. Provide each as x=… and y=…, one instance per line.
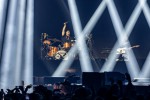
x=91, y=50
x=42, y=48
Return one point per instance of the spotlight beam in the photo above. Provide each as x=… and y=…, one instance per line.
x=7, y=61
x=28, y=73
x=20, y=42
x=2, y=21
x=146, y=67
x=2, y=9
x=83, y=53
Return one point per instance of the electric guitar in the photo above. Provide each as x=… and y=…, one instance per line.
x=123, y=50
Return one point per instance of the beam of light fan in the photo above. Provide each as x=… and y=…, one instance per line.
x=2, y=19
x=20, y=42
x=7, y=72
x=28, y=73
x=109, y=65
x=88, y=28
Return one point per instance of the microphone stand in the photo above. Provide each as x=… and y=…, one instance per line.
x=91, y=51
x=42, y=46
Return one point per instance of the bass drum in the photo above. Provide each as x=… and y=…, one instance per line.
x=61, y=54
x=66, y=45
x=53, y=51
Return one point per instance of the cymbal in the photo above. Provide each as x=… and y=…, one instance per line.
x=55, y=40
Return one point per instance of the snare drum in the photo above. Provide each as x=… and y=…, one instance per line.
x=53, y=51
x=61, y=54
x=66, y=45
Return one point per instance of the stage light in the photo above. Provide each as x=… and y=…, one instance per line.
x=146, y=66
x=28, y=72
x=142, y=2
x=7, y=66
x=2, y=9
x=2, y=20
x=18, y=41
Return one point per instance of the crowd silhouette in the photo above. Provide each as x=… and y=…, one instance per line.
x=66, y=91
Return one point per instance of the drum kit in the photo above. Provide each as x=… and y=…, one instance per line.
x=56, y=52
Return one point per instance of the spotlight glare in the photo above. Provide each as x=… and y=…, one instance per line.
x=28, y=74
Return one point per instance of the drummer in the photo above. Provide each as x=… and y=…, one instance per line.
x=66, y=38
x=45, y=40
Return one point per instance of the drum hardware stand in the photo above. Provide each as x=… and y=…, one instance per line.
x=61, y=56
x=90, y=49
x=60, y=47
x=42, y=52
x=42, y=49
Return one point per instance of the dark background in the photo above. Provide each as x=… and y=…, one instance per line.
x=50, y=15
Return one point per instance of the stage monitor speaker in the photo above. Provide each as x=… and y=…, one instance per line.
x=96, y=80
x=92, y=80
x=52, y=80
x=112, y=75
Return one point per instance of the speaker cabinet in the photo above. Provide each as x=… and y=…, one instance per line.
x=95, y=80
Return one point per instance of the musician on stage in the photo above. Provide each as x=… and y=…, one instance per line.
x=66, y=38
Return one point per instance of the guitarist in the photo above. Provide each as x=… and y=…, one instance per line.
x=122, y=52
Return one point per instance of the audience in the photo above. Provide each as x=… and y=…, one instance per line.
x=65, y=91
